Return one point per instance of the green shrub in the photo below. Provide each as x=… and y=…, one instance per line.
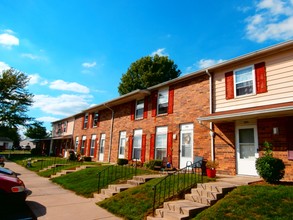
x=87, y=159
x=36, y=151
x=271, y=169
x=122, y=161
x=152, y=164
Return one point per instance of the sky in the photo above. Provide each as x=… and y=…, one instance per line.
x=75, y=52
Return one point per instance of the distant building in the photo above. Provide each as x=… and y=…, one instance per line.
x=28, y=142
x=5, y=143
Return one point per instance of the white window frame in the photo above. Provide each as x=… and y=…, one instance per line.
x=161, y=143
x=86, y=120
x=82, y=147
x=122, y=144
x=93, y=142
x=102, y=143
x=137, y=144
x=76, y=143
x=95, y=119
x=163, y=99
x=139, y=109
x=243, y=81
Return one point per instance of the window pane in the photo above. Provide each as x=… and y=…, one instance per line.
x=163, y=101
x=139, y=109
x=160, y=153
x=244, y=81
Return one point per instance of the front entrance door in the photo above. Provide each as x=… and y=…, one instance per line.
x=186, y=144
x=246, y=147
x=102, y=147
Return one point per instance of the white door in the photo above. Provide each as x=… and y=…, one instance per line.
x=122, y=142
x=186, y=144
x=246, y=148
x=102, y=147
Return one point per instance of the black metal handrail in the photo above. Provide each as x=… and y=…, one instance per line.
x=176, y=183
x=114, y=172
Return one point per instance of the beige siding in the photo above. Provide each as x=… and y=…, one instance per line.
x=279, y=83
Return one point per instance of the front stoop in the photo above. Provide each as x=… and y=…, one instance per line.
x=200, y=198
x=117, y=188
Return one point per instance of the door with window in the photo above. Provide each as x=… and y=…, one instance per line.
x=186, y=144
x=122, y=141
x=102, y=147
x=246, y=149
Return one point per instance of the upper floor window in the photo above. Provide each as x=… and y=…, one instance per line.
x=86, y=120
x=139, y=109
x=163, y=96
x=64, y=126
x=248, y=80
x=95, y=119
x=244, y=81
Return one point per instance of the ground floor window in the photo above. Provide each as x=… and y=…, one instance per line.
x=93, y=143
x=161, y=142
x=137, y=143
x=83, y=142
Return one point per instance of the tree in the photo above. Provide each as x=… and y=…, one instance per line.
x=146, y=72
x=14, y=99
x=36, y=131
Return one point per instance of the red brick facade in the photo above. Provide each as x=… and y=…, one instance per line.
x=191, y=100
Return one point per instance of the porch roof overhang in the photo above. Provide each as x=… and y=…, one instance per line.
x=268, y=111
x=63, y=137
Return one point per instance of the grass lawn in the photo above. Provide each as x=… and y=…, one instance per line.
x=253, y=202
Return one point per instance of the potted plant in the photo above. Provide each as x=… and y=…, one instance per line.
x=211, y=166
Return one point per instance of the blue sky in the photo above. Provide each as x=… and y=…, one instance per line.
x=75, y=52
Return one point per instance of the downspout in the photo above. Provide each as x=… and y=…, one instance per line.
x=211, y=111
x=111, y=132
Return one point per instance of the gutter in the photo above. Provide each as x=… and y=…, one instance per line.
x=111, y=132
x=211, y=111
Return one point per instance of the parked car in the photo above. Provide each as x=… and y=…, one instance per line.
x=12, y=189
x=2, y=160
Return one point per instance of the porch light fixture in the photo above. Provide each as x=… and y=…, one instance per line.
x=275, y=130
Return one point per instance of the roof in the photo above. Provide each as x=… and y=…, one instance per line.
x=5, y=139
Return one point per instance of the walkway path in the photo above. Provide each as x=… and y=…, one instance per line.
x=50, y=201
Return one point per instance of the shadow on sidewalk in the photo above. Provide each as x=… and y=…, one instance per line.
x=36, y=208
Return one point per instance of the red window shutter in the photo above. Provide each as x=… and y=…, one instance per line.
x=229, y=83
x=154, y=103
x=82, y=124
x=88, y=120
x=260, y=77
x=143, y=148
x=171, y=100
x=130, y=142
x=95, y=151
x=152, y=147
x=145, y=109
x=87, y=152
x=132, y=110
x=99, y=117
x=169, y=146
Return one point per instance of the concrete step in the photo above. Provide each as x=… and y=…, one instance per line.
x=205, y=193
x=184, y=207
x=218, y=187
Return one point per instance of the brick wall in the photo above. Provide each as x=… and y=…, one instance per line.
x=191, y=100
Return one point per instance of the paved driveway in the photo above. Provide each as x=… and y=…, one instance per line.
x=50, y=201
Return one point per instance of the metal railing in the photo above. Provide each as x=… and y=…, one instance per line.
x=114, y=172
x=176, y=184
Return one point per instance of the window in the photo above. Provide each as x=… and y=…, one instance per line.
x=137, y=142
x=122, y=141
x=163, y=96
x=102, y=143
x=161, y=142
x=64, y=126
x=76, y=143
x=83, y=142
x=244, y=81
x=139, y=109
x=93, y=143
x=95, y=119
x=86, y=119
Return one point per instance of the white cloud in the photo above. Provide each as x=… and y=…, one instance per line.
x=209, y=62
x=8, y=40
x=89, y=65
x=37, y=79
x=47, y=119
x=66, y=86
x=30, y=56
x=3, y=66
x=160, y=52
x=273, y=20
x=63, y=105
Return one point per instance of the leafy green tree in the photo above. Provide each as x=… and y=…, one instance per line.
x=36, y=131
x=14, y=99
x=146, y=72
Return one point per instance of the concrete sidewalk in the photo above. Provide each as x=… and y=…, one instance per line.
x=50, y=201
